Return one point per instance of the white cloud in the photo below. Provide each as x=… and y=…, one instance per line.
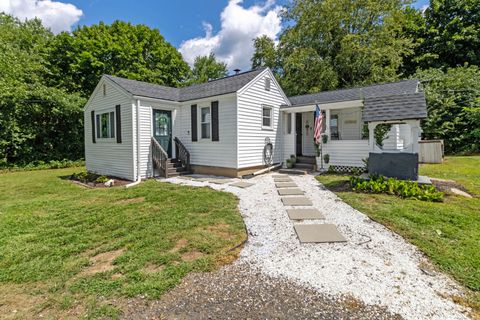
x=57, y=16
x=233, y=44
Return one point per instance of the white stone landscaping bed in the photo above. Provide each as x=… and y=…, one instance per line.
x=375, y=265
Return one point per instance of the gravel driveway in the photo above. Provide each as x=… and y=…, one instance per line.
x=375, y=265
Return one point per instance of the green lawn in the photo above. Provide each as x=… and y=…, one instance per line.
x=67, y=251
x=448, y=233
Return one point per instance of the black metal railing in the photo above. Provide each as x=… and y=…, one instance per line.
x=182, y=153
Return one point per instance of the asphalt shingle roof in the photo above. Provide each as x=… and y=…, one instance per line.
x=395, y=107
x=379, y=90
x=216, y=87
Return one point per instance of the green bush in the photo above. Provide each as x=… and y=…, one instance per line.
x=102, y=179
x=400, y=188
x=42, y=165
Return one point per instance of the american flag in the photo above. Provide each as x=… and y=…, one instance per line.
x=318, y=125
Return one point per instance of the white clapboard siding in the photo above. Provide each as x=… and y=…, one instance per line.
x=251, y=136
x=346, y=152
x=220, y=153
x=107, y=156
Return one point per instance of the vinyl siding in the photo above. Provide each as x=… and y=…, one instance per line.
x=107, y=156
x=346, y=152
x=222, y=153
x=251, y=136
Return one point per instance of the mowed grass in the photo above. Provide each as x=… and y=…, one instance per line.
x=448, y=232
x=67, y=251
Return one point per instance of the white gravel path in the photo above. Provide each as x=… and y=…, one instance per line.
x=375, y=266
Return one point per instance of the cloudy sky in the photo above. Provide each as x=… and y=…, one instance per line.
x=195, y=27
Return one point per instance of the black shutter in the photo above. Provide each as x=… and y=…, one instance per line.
x=118, y=125
x=93, y=126
x=194, y=122
x=215, y=136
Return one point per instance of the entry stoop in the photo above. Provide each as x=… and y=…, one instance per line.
x=305, y=163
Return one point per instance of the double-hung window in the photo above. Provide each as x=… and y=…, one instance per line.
x=106, y=125
x=205, y=122
x=267, y=117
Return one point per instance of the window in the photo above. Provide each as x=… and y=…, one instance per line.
x=267, y=84
x=334, y=133
x=205, y=121
x=105, y=125
x=267, y=121
x=289, y=123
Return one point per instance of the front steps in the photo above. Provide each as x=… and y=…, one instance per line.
x=175, y=168
x=305, y=163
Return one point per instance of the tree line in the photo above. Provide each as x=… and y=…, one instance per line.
x=45, y=79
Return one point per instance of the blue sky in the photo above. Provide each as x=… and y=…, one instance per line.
x=195, y=27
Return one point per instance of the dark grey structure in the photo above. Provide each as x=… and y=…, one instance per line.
x=395, y=165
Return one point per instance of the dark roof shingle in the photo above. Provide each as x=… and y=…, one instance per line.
x=216, y=87
x=395, y=107
x=379, y=90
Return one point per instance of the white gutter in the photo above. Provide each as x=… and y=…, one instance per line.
x=139, y=178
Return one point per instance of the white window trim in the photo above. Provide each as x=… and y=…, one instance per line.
x=200, y=123
x=98, y=114
x=271, y=118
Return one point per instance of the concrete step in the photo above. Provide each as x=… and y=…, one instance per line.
x=306, y=166
x=306, y=159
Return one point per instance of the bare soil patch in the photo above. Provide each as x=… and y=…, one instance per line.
x=192, y=256
x=153, y=268
x=182, y=243
x=102, y=262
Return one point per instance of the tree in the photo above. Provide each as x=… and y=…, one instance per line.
x=79, y=59
x=206, y=68
x=448, y=35
x=453, y=100
x=265, y=54
x=362, y=41
x=306, y=72
x=37, y=122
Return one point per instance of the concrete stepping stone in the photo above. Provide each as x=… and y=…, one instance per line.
x=318, y=233
x=219, y=181
x=290, y=192
x=280, y=176
x=242, y=184
x=285, y=184
x=296, y=201
x=304, y=214
x=286, y=179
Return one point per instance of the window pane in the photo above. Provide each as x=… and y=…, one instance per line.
x=104, y=125
x=205, y=115
x=112, y=125
x=266, y=122
x=205, y=130
x=266, y=112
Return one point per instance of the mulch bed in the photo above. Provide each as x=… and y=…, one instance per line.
x=94, y=185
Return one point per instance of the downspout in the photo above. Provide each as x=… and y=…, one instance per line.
x=139, y=178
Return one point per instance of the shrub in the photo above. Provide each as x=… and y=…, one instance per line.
x=400, y=188
x=42, y=165
x=102, y=179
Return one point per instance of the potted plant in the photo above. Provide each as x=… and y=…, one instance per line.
x=289, y=163
x=293, y=158
x=324, y=138
x=326, y=158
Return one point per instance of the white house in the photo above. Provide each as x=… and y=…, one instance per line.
x=136, y=130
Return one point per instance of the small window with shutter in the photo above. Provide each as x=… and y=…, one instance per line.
x=105, y=125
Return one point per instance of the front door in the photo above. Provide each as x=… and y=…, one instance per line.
x=298, y=133
x=162, y=129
